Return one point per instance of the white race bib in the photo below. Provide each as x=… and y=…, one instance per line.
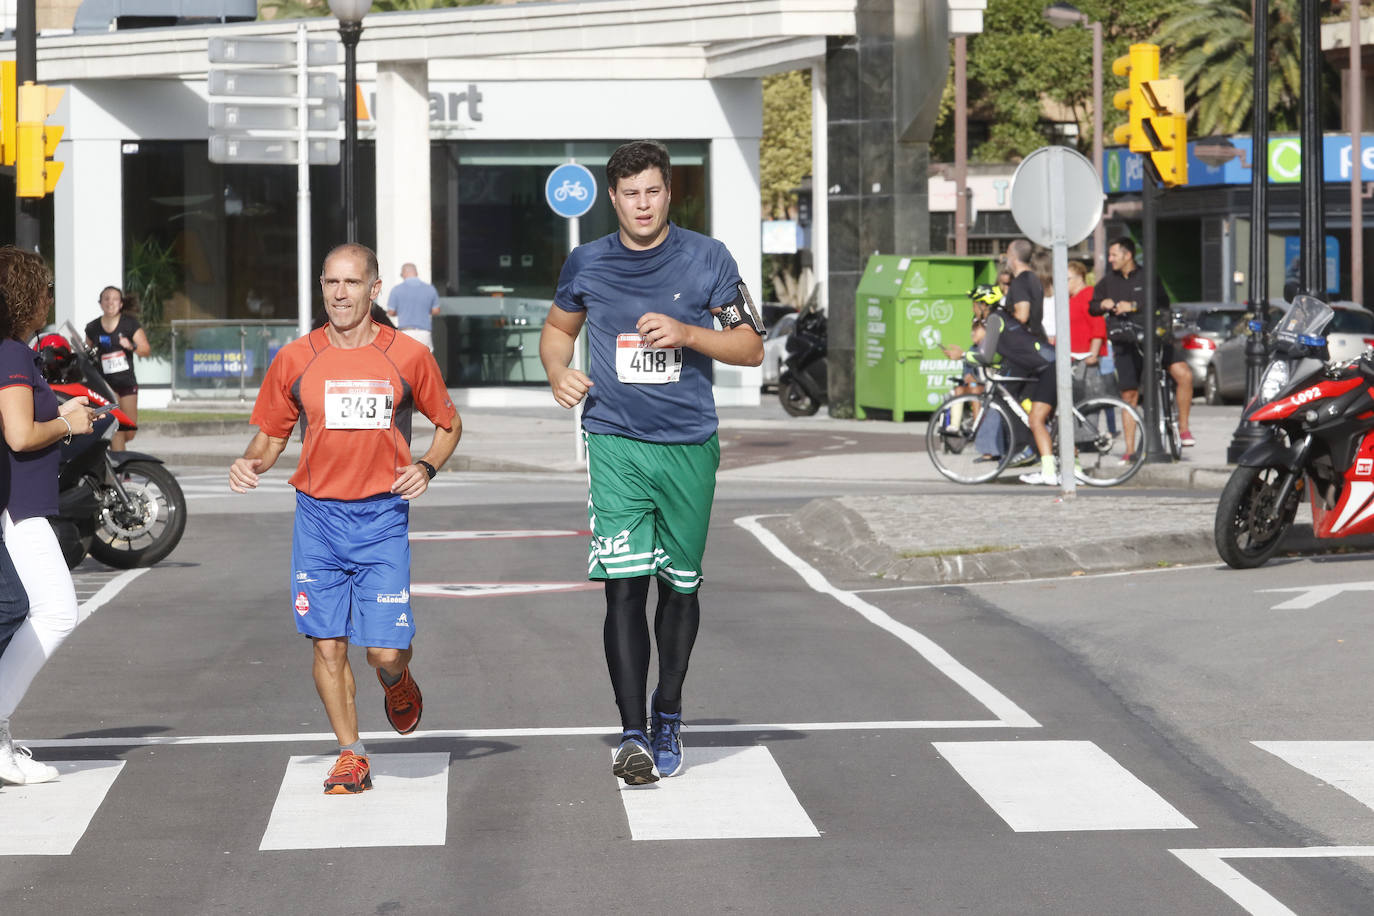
x=357, y=404
x=110, y=363
x=637, y=363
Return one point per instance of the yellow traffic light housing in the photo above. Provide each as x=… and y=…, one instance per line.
x=1140, y=66
x=1166, y=127
x=8, y=113
x=36, y=141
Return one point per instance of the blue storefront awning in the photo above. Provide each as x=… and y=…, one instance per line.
x=1123, y=168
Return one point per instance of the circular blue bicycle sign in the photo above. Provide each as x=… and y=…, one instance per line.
x=570, y=190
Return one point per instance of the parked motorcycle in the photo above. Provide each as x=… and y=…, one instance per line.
x=1319, y=421
x=123, y=508
x=802, y=378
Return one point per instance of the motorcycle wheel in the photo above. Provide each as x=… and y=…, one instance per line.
x=150, y=527
x=795, y=400
x=1249, y=525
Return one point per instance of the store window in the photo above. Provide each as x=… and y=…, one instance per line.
x=218, y=242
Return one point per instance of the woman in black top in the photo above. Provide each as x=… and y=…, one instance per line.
x=118, y=338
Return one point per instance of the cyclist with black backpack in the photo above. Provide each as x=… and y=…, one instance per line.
x=1014, y=332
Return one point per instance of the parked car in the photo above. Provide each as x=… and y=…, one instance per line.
x=1351, y=330
x=775, y=348
x=1199, y=331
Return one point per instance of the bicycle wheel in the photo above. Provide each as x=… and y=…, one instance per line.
x=1107, y=458
x=952, y=439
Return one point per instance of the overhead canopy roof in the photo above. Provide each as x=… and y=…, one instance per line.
x=578, y=39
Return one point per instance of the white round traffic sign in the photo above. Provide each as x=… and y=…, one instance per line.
x=1056, y=196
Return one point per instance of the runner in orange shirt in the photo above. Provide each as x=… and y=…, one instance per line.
x=354, y=385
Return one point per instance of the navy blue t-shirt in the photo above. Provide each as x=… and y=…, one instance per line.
x=684, y=278
x=32, y=475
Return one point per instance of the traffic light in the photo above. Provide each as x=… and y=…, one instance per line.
x=1166, y=127
x=1140, y=66
x=35, y=173
x=8, y=114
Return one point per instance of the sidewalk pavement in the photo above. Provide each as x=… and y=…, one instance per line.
x=997, y=531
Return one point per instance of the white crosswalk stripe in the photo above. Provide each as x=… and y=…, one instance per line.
x=1059, y=785
x=721, y=793
x=50, y=819
x=407, y=806
x=1347, y=765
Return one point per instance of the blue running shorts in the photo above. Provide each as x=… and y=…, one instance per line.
x=350, y=570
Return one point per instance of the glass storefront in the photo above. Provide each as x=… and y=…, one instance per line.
x=212, y=241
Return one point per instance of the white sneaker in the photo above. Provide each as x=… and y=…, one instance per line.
x=18, y=768
x=1040, y=478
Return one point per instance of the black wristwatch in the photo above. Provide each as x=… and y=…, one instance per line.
x=430, y=469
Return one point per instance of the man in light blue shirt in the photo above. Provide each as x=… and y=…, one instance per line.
x=413, y=305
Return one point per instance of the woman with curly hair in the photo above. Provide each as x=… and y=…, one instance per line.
x=32, y=425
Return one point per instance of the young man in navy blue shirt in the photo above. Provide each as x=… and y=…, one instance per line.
x=649, y=295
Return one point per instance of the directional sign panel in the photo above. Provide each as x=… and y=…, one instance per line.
x=231, y=116
x=270, y=84
x=320, y=52
x=270, y=151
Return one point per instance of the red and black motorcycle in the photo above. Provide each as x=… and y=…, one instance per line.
x=124, y=508
x=1319, y=421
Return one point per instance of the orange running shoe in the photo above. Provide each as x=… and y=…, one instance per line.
x=351, y=774
x=403, y=703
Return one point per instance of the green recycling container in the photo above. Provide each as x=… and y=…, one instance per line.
x=906, y=308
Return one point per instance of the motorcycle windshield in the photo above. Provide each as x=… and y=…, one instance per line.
x=1305, y=320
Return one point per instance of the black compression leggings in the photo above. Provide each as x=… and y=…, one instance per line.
x=627, y=645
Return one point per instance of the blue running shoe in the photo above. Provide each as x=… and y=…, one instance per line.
x=663, y=728
x=632, y=761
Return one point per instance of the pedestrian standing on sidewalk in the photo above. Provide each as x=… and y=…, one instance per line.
x=355, y=383
x=649, y=295
x=413, y=305
x=33, y=425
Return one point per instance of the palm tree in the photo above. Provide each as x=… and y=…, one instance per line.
x=1209, y=43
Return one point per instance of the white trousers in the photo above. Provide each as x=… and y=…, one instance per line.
x=424, y=337
x=52, y=606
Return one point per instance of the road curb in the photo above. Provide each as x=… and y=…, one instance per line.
x=829, y=524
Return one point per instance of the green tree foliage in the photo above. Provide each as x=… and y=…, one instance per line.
x=1020, y=64
x=302, y=9
x=1208, y=44
x=785, y=149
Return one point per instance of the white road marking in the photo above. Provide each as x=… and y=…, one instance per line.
x=407, y=805
x=49, y=819
x=494, y=589
x=722, y=793
x=108, y=592
x=492, y=535
x=1007, y=712
x=494, y=733
x=1211, y=865
x=1347, y=765
x=1059, y=785
x=1313, y=595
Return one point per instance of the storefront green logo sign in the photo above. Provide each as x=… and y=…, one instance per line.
x=1114, y=172
x=1285, y=160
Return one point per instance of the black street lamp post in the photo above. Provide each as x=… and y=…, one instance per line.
x=1247, y=433
x=350, y=14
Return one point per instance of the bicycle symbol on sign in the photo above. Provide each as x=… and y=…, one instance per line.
x=574, y=189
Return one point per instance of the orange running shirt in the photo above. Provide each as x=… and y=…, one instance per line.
x=356, y=408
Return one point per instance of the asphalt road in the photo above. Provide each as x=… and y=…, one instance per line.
x=1073, y=746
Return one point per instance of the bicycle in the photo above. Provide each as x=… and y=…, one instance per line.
x=1105, y=457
